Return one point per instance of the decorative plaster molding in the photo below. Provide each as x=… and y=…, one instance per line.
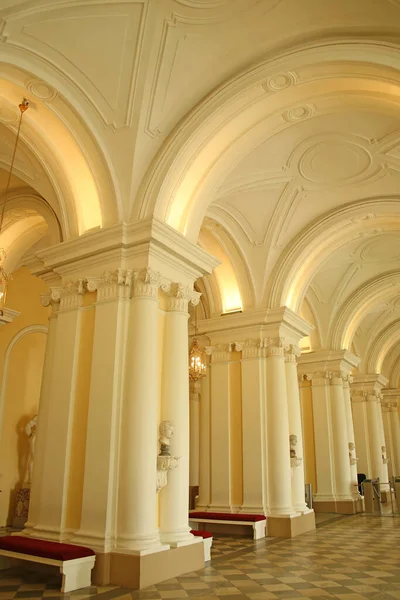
x=179, y=297
x=219, y=352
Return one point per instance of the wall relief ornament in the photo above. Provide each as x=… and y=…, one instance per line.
x=385, y=460
x=165, y=462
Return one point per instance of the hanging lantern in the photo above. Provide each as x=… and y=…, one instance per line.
x=197, y=359
x=4, y=277
x=197, y=362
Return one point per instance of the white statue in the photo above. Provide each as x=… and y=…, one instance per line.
x=166, y=430
x=30, y=430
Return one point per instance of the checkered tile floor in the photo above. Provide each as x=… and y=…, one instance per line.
x=356, y=558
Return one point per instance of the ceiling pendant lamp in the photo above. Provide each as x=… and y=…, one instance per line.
x=4, y=276
x=197, y=359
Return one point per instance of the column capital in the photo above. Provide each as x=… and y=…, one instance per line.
x=179, y=296
x=68, y=295
x=275, y=346
x=374, y=396
x=251, y=348
x=358, y=395
x=219, y=352
x=319, y=378
x=111, y=285
x=146, y=283
x=292, y=351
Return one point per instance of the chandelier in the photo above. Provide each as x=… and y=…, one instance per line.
x=197, y=360
x=4, y=277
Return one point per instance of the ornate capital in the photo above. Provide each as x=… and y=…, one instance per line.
x=146, y=283
x=291, y=353
x=320, y=378
x=179, y=297
x=358, y=395
x=111, y=285
x=374, y=396
x=275, y=347
x=69, y=295
x=219, y=353
x=250, y=348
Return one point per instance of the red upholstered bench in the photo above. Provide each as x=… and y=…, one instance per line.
x=75, y=562
x=207, y=541
x=257, y=522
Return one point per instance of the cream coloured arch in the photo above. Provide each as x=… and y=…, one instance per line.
x=219, y=132
x=62, y=142
x=302, y=258
x=359, y=304
x=18, y=336
x=381, y=346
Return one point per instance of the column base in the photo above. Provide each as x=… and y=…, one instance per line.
x=290, y=525
x=178, y=539
x=52, y=534
x=140, y=571
x=96, y=542
x=350, y=506
x=252, y=509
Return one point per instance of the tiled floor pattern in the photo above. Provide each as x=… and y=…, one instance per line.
x=356, y=558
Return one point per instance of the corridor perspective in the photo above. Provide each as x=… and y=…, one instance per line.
x=200, y=297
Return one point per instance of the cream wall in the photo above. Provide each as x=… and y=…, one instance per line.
x=21, y=365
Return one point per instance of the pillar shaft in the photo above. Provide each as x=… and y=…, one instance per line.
x=253, y=427
x=295, y=429
x=324, y=445
x=350, y=436
x=204, y=446
x=395, y=429
x=278, y=448
x=174, y=498
x=361, y=432
x=52, y=510
x=137, y=501
x=220, y=432
x=194, y=405
x=340, y=440
x=375, y=428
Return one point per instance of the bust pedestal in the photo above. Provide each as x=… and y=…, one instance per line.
x=21, y=507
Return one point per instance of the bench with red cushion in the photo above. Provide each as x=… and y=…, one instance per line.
x=75, y=562
x=258, y=522
x=207, y=540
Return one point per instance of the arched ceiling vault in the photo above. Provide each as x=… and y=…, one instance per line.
x=56, y=140
x=266, y=99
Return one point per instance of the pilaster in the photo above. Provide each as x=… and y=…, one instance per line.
x=106, y=386
x=253, y=369
x=220, y=447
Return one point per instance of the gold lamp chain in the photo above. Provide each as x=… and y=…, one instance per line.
x=22, y=107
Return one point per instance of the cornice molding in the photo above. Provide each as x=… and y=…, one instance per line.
x=339, y=363
x=257, y=324
x=147, y=243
